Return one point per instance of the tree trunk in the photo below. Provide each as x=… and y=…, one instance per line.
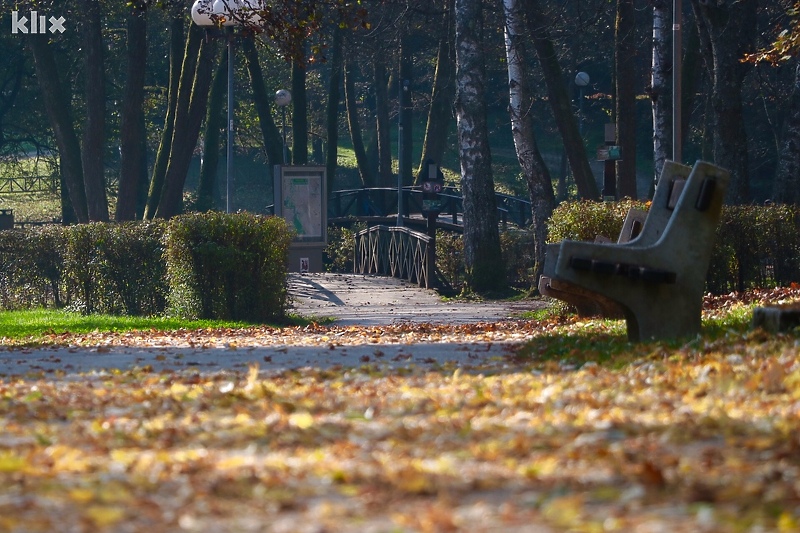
x=332, y=113
x=661, y=86
x=299, y=115
x=440, y=114
x=406, y=73
x=787, y=180
x=731, y=32
x=273, y=142
x=367, y=178
x=58, y=108
x=560, y=102
x=131, y=119
x=215, y=123
x=178, y=56
x=625, y=66
x=94, y=136
x=186, y=130
x=482, y=254
x=537, y=176
x=382, y=123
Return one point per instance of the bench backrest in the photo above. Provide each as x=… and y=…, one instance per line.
x=673, y=175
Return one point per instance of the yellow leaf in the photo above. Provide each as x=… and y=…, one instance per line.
x=787, y=522
x=105, y=516
x=10, y=462
x=81, y=495
x=302, y=420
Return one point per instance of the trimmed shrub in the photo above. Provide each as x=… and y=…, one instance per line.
x=116, y=268
x=31, y=268
x=228, y=266
x=585, y=220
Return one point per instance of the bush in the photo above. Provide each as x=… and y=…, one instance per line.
x=340, y=252
x=31, y=268
x=228, y=266
x=116, y=268
x=585, y=220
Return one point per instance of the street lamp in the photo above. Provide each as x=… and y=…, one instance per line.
x=677, y=15
x=206, y=13
x=282, y=99
x=581, y=80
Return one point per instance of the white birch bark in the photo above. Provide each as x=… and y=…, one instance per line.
x=534, y=170
x=482, y=256
x=660, y=84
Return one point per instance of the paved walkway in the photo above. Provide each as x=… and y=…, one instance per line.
x=349, y=299
x=355, y=299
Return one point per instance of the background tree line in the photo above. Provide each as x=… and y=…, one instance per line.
x=125, y=98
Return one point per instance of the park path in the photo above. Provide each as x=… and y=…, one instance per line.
x=365, y=300
x=375, y=322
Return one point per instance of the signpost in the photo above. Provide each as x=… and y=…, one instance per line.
x=301, y=199
x=610, y=153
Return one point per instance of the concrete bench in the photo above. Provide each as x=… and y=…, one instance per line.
x=655, y=280
x=639, y=228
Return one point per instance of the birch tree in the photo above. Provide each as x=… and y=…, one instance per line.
x=530, y=159
x=482, y=255
x=660, y=87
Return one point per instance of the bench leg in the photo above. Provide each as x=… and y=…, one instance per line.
x=671, y=319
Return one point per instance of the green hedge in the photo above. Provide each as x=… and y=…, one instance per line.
x=91, y=268
x=227, y=266
x=209, y=266
x=755, y=247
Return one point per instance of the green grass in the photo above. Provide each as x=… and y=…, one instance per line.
x=33, y=325
x=605, y=341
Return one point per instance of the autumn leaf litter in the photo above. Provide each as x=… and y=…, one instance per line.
x=694, y=436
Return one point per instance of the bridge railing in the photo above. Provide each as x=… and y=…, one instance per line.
x=394, y=251
x=382, y=202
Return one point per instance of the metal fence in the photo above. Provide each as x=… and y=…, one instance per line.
x=395, y=251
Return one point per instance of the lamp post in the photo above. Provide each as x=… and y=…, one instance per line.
x=400, y=103
x=581, y=80
x=208, y=13
x=282, y=99
x=677, y=12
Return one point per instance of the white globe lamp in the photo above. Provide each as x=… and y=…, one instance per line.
x=201, y=13
x=283, y=98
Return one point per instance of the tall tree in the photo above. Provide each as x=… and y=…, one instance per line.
x=273, y=143
x=214, y=124
x=560, y=102
x=182, y=56
x=364, y=171
x=660, y=87
x=94, y=135
x=332, y=112
x=59, y=113
x=188, y=118
x=482, y=254
x=625, y=68
x=537, y=176
x=133, y=159
x=787, y=180
x=729, y=30
x=440, y=113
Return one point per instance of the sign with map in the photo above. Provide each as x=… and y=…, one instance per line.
x=303, y=202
